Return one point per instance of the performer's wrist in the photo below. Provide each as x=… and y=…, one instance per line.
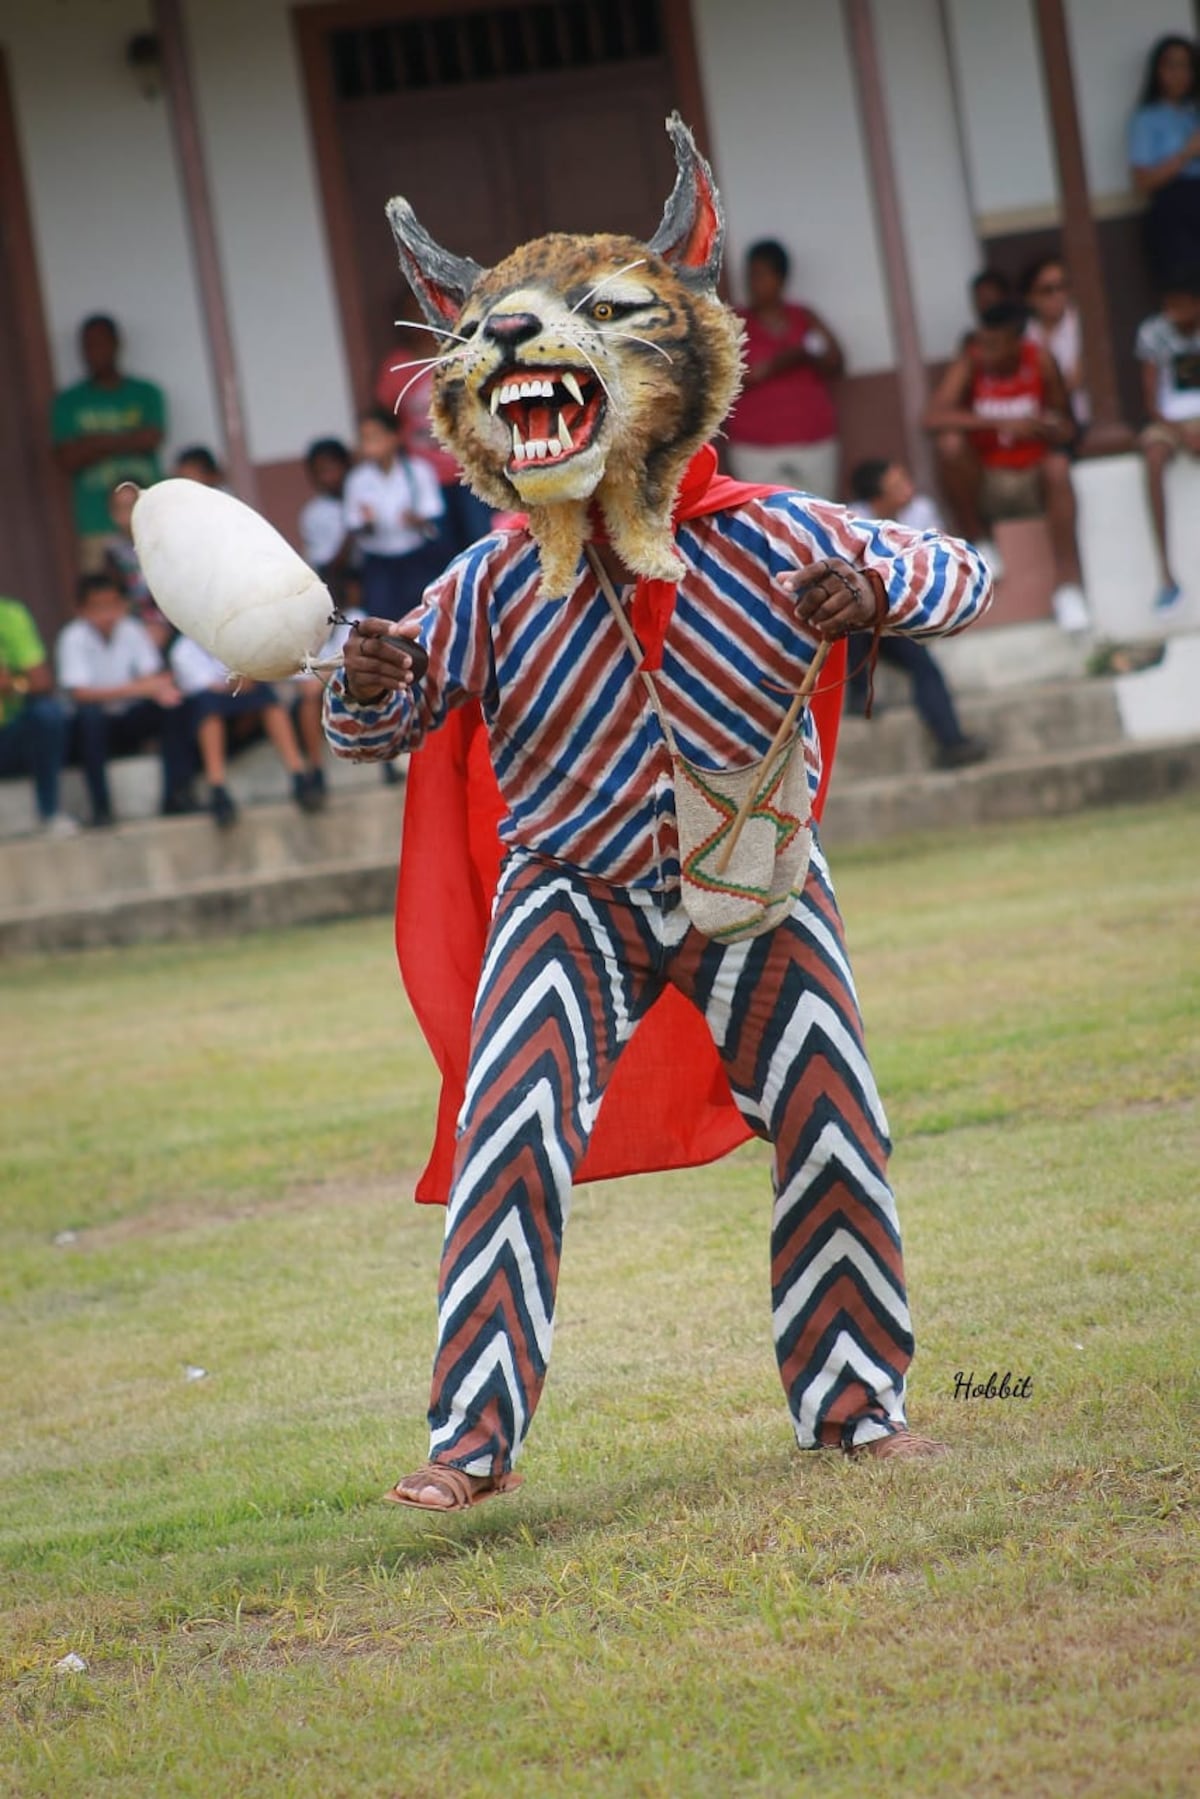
x=351, y=692
x=879, y=599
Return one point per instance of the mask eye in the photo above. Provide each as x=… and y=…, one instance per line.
x=602, y=311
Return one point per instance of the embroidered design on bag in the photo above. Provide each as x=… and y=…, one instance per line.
x=786, y=825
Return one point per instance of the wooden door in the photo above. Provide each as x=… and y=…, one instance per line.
x=495, y=134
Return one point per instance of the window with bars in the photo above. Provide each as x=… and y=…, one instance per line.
x=492, y=43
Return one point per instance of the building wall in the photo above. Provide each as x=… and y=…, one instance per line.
x=1110, y=40
x=1006, y=127
x=935, y=201
x=109, y=222
x=286, y=330
x=783, y=117
x=103, y=192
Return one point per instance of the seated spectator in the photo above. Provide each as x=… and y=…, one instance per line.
x=327, y=545
x=106, y=428
x=197, y=463
x=213, y=705
x=783, y=426
x=330, y=549
x=990, y=287
x=1002, y=421
x=404, y=390
x=1164, y=155
x=121, y=562
x=111, y=670
x=309, y=694
x=886, y=490
x=1168, y=352
x=33, y=724
x=1053, y=323
x=393, y=504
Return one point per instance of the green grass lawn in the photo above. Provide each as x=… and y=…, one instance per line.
x=677, y=1603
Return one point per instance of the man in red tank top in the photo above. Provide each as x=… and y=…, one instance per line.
x=1002, y=420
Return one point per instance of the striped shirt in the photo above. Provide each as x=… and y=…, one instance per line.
x=582, y=763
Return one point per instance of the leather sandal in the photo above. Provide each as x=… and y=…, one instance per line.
x=901, y=1445
x=460, y=1489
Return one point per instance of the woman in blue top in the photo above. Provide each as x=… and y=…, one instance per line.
x=1164, y=152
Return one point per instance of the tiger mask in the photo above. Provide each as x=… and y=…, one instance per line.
x=584, y=370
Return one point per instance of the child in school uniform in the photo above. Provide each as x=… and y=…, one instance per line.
x=392, y=505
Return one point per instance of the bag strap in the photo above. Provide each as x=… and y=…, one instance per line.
x=635, y=648
x=875, y=583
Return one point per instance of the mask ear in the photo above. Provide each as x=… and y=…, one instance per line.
x=440, y=281
x=692, y=234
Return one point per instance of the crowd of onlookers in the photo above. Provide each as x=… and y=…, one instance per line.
x=1012, y=410
x=381, y=523
x=1007, y=418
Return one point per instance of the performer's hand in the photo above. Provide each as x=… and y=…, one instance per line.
x=1021, y=429
x=380, y=658
x=832, y=598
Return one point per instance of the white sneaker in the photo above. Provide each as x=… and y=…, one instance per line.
x=1071, y=609
x=60, y=825
x=991, y=556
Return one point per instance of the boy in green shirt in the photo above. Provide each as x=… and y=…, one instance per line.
x=105, y=429
x=33, y=725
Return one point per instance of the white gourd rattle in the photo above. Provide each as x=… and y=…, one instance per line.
x=228, y=580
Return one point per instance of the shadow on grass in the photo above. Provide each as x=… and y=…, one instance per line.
x=278, y=1537
x=778, y=1480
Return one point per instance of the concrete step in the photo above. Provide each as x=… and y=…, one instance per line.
x=180, y=878
x=163, y=856
x=1042, y=720
x=1163, y=700
x=218, y=907
x=864, y=811
x=1045, y=715
x=1116, y=545
x=255, y=776
x=1015, y=656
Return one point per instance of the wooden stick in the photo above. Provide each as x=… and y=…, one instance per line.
x=781, y=736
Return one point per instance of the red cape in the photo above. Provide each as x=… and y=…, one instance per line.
x=668, y=1104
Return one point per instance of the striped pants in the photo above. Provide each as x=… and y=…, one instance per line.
x=571, y=966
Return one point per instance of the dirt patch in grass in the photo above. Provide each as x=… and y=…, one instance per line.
x=173, y=1217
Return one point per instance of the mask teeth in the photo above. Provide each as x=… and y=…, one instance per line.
x=573, y=388
x=564, y=435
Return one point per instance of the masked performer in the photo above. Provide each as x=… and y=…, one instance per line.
x=582, y=379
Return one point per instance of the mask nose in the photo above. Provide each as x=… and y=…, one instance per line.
x=512, y=328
